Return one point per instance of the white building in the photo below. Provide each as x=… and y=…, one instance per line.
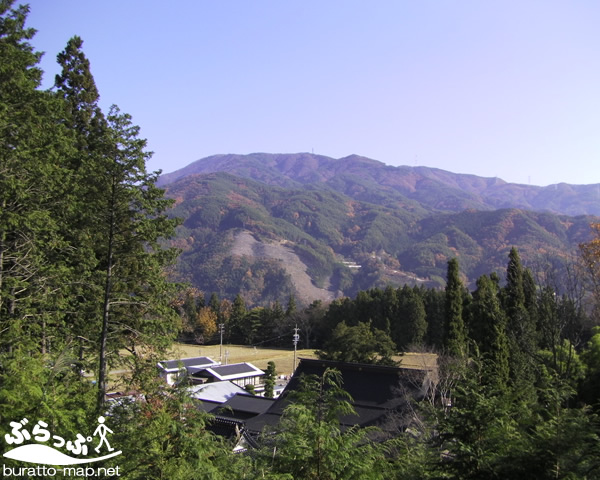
x=171, y=370
x=241, y=374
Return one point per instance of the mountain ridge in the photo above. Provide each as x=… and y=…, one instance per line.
x=341, y=241
x=365, y=179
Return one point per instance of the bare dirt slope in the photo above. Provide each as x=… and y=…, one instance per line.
x=246, y=245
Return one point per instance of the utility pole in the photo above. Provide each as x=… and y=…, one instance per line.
x=221, y=328
x=296, y=339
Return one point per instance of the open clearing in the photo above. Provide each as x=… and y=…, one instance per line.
x=259, y=357
x=283, y=359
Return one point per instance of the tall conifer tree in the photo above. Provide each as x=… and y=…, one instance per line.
x=455, y=341
x=32, y=185
x=34, y=271
x=488, y=330
x=411, y=325
x=135, y=298
x=118, y=223
x=76, y=85
x=520, y=328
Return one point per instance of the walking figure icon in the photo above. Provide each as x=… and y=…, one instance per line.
x=101, y=431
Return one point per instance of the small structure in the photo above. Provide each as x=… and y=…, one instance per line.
x=171, y=370
x=241, y=374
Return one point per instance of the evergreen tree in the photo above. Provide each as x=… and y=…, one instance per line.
x=455, y=341
x=32, y=188
x=167, y=437
x=116, y=223
x=390, y=311
x=549, y=325
x=309, y=443
x=590, y=388
x=236, y=320
x=214, y=303
x=269, y=379
x=76, y=85
x=76, y=88
x=434, y=302
x=252, y=324
x=411, y=326
x=36, y=362
x=361, y=344
x=308, y=320
x=488, y=330
x=135, y=294
x=530, y=291
x=520, y=328
x=274, y=319
x=189, y=302
x=480, y=433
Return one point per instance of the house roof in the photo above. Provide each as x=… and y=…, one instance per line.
x=377, y=391
x=195, y=362
x=229, y=372
x=215, y=392
x=208, y=406
x=243, y=406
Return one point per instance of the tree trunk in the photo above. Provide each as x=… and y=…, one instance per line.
x=102, y=373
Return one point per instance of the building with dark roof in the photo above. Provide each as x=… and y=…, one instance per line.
x=243, y=406
x=381, y=395
x=228, y=419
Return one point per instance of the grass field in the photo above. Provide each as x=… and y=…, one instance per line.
x=259, y=357
x=283, y=359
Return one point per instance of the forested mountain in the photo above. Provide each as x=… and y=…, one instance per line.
x=406, y=187
x=320, y=228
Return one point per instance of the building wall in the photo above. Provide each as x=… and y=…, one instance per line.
x=242, y=382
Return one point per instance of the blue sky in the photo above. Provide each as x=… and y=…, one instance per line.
x=493, y=88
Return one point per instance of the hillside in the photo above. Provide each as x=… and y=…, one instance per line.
x=420, y=189
x=270, y=240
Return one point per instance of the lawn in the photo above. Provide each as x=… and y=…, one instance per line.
x=283, y=359
x=259, y=357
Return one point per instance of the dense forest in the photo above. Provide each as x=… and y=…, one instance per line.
x=387, y=242
x=85, y=290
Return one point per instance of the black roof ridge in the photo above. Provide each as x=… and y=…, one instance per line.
x=229, y=420
x=357, y=366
